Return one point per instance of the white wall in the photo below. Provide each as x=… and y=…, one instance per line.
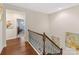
x=0, y=36
x=11, y=33
x=2, y=28
x=1, y=47
x=37, y=21
x=0, y=31
x=65, y=21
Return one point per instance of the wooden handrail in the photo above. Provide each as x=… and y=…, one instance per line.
x=51, y=41
x=35, y=32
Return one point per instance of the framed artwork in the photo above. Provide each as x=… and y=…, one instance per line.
x=72, y=40
x=9, y=24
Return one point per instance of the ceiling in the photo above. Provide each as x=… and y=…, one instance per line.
x=45, y=7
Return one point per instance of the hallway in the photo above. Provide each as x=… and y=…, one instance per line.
x=18, y=47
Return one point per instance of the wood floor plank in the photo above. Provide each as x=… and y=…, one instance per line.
x=16, y=47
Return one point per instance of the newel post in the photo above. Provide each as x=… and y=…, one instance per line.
x=44, y=43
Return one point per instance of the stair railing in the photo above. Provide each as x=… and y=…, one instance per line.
x=43, y=44
x=51, y=47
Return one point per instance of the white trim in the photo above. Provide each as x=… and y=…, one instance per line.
x=34, y=48
x=1, y=49
x=11, y=38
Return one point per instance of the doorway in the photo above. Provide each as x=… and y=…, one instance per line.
x=20, y=28
x=15, y=25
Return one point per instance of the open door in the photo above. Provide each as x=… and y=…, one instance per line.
x=20, y=27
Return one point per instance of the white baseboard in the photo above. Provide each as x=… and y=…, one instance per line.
x=11, y=38
x=34, y=48
x=1, y=50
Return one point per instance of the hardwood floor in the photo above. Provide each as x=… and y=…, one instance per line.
x=18, y=47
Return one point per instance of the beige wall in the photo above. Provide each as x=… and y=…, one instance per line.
x=65, y=21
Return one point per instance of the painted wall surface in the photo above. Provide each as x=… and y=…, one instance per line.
x=65, y=21
x=37, y=21
x=0, y=31
x=2, y=42
x=0, y=36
